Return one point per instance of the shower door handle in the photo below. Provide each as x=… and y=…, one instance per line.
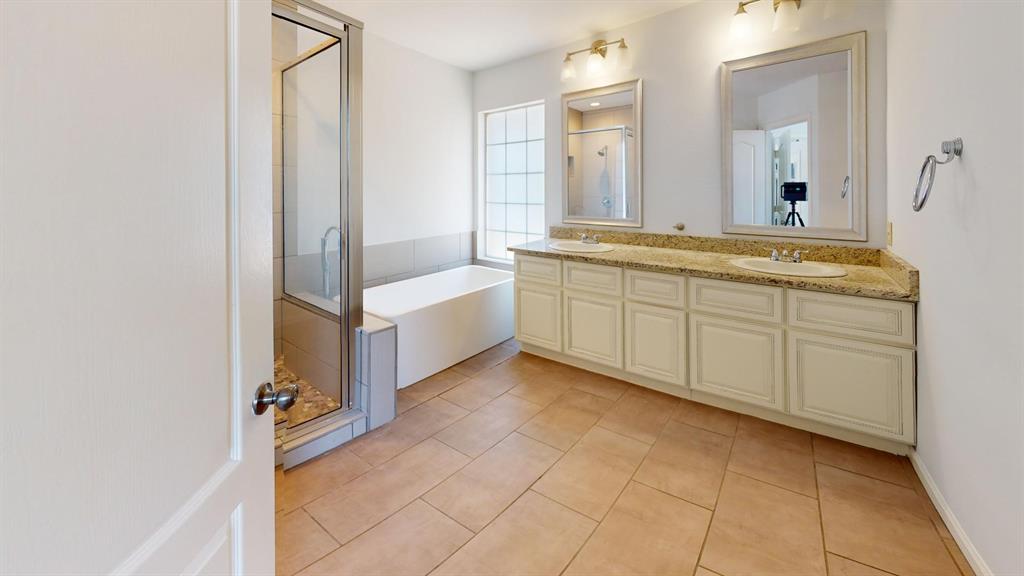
x=266, y=397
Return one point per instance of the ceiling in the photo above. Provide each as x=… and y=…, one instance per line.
x=478, y=34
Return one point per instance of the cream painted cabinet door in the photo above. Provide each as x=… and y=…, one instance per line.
x=135, y=288
x=856, y=385
x=656, y=342
x=739, y=360
x=593, y=327
x=539, y=316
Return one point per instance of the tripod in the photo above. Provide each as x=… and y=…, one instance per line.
x=793, y=215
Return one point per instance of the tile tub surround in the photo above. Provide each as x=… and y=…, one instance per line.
x=861, y=280
x=394, y=261
x=588, y=486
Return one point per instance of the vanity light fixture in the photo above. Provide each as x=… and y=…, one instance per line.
x=597, y=59
x=786, y=17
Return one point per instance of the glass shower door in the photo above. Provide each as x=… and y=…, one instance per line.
x=311, y=87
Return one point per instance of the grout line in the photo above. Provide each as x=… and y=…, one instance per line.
x=821, y=517
x=329, y=535
x=858, y=562
x=773, y=485
x=718, y=498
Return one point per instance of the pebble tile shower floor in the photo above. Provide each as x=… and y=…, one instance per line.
x=512, y=464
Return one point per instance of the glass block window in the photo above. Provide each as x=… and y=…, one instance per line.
x=513, y=196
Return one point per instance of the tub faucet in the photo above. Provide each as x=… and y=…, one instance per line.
x=325, y=265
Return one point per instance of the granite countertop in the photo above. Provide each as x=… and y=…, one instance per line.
x=861, y=280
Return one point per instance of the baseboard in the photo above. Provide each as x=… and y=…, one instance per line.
x=954, y=526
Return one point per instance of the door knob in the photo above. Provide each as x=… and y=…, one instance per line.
x=266, y=397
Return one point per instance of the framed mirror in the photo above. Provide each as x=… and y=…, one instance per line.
x=601, y=147
x=794, y=142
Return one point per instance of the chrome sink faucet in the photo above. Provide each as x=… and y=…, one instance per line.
x=595, y=239
x=785, y=257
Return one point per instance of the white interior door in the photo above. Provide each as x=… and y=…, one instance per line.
x=135, y=287
x=749, y=164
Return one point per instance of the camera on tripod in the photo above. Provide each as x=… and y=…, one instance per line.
x=794, y=192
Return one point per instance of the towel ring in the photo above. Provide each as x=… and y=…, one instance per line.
x=952, y=149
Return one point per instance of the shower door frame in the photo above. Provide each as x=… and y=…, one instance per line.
x=349, y=33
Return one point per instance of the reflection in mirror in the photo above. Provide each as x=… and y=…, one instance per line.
x=792, y=141
x=602, y=149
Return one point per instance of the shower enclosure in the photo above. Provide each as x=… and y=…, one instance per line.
x=316, y=73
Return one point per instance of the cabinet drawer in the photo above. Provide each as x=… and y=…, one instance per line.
x=749, y=301
x=851, y=384
x=539, y=270
x=738, y=360
x=593, y=278
x=870, y=318
x=593, y=328
x=539, y=316
x=655, y=288
x=656, y=342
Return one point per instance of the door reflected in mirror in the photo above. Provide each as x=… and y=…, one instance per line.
x=794, y=142
x=602, y=152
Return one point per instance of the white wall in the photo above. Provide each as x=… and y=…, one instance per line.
x=957, y=69
x=417, y=145
x=677, y=54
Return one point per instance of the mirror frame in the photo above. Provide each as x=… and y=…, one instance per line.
x=636, y=87
x=856, y=44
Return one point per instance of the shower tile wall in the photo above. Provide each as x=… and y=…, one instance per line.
x=394, y=261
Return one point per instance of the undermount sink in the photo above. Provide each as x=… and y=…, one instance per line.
x=577, y=246
x=804, y=269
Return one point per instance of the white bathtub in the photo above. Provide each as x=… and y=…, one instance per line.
x=444, y=318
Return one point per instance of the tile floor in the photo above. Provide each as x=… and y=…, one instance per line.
x=512, y=464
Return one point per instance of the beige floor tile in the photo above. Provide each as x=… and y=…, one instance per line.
x=412, y=542
x=640, y=414
x=567, y=419
x=861, y=460
x=486, y=386
x=646, y=532
x=405, y=402
x=434, y=385
x=879, y=524
x=311, y=480
x=479, y=492
x=512, y=344
x=598, y=384
x=299, y=541
x=590, y=477
x=687, y=462
x=707, y=417
x=406, y=431
x=279, y=504
x=541, y=390
x=762, y=529
x=759, y=456
x=702, y=571
x=484, y=360
x=350, y=510
x=475, y=433
x=534, y=536
x=839, y=566
x=779, y=435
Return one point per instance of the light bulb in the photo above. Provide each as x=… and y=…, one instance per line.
x=741, y=25
x=625, y=57
x=595, y=63
x=568, y=69
x=786, y=18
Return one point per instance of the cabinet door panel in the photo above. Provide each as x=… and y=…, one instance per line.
x=656, y=342
x=593, y=328
x=539, y=316
x=737, y=359
x=856, y=385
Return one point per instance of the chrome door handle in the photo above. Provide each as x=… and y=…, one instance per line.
x=266, y=397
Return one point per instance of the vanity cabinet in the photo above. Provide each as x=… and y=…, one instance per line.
x=736, y=359
x=655, y=337
x=811, y=358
